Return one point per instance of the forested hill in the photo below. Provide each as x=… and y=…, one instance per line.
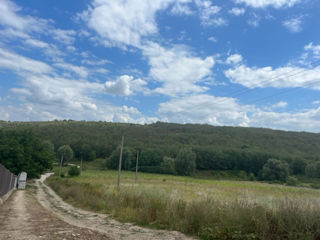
x=104, y=137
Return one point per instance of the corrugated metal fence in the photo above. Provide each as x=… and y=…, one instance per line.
x=7, y=180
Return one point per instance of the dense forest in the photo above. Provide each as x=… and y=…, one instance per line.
x=159, y=144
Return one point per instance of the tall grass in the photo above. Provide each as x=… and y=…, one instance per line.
x=157, y=202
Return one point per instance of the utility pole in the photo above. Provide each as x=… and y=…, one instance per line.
x=61, y=164
x=135, y=179
x=81, y=165
x=120, y=162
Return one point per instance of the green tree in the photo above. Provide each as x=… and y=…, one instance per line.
x=113, y=161
x=67, y=153
x=313, y=169
x=185, y=163
x=88, y=154
x=275, y=169
x=22, y=151
x=298, y=166
x=168, y=165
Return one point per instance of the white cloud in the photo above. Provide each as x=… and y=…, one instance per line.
x=204, y=108
x=177, y=69
x=294, y=25
x=224, y=111
x=212, y=39
x=234, y=59
x=281, y=77
x=280, y=104
x=79, y=70
x=182, y=8
x=237, y=11
x=124, y=85
x=10, y=17
x=254, y=20
x=314, y=49
x=316, y=102
x=268, y=3
x=305, y=120
x=124, y=22
x=65, y=36
x=209, y=14
x=21, y=64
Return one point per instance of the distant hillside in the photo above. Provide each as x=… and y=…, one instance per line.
x=104, y=137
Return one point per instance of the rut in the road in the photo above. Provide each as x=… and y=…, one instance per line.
x=23, y=218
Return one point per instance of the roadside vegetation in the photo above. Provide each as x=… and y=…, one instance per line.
x=208, y=209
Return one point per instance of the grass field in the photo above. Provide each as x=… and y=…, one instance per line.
x=209, y=209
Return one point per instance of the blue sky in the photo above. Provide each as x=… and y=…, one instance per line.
x=251, y=63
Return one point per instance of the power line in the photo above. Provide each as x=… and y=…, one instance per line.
x=267, y=81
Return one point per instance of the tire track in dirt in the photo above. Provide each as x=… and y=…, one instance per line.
x=23, y=218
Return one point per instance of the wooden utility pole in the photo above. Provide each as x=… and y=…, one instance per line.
x=120, y=162
x=135, y=179
x=61, y=164
x=81, y=165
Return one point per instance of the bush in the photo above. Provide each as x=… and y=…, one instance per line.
x=275, y=170
x=74, y=171
x=292, y=181
x=251, y=177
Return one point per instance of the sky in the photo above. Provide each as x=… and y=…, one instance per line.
x=249, y=63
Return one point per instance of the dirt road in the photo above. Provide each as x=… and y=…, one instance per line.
x=39, y=213
x=22, y=217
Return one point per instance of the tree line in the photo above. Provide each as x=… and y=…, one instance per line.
x=164, y=147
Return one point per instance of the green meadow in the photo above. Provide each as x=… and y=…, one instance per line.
x=208, y=209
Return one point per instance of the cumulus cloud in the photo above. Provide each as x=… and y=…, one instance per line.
x=125, y=85
x=294, y=25
x=124, y=22
x=177, y=69
x=205, y=108
x=281, y=77
x=268, y=3
x=237, y=11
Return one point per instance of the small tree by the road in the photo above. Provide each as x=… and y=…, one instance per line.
x=275, y=170
x=185, y=163
x=67, y=153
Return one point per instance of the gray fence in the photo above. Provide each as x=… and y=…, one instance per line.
x=7, y=180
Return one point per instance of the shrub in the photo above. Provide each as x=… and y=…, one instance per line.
x=292, y=181
x=251, y=177
x=74, y=171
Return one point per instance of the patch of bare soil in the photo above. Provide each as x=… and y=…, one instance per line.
x=22, y=217
x=98, y=222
